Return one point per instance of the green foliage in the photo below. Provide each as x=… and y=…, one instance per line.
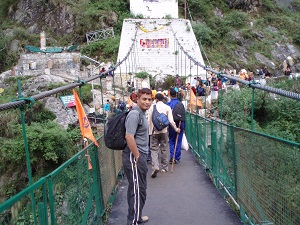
x=296, y=34
x=49, y=145
x=11, y=88
x=166, y=83
x=236, y=19
x=275, y=116
x=142, y=75
x=7, y=121
x=38, y=113
x=139, y=16
x=237, y=108
x=52, y=86
x=86, y=93
x=105, y=50
x=201, y=8
x=91, y=16
x=5, y=6
x=152, y=81
x=203, y=34
x=6, y=58
x=168, y=17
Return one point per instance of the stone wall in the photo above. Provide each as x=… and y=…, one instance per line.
x=65, y=65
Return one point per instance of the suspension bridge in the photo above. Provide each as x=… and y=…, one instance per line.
x=255, y=173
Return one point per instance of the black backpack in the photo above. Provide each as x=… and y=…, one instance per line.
x=178, y=112
x=114, y=132
x=160, y=120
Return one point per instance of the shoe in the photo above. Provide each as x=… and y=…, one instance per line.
x=154, y=173
x=163, y=171
x=171, y=160
x=177, y=161
x=145, y=219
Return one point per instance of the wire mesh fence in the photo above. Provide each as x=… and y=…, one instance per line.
x=260, y=172
x=74, y=193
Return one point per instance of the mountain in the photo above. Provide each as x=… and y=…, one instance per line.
x=235, y=34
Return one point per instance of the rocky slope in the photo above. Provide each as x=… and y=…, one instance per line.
x=65, y=18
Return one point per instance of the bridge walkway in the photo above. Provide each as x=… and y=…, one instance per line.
x=185, y=197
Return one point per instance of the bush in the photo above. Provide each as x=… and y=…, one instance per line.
x=39, y=114
x=49, y=144
x=107, y=49
x=278, y=117
x=203, y=34
x=236, y=19
x=142, y=75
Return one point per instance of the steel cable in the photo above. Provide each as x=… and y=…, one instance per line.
x=277, y=91
x=19, y=103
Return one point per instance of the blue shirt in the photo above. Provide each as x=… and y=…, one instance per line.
x=107, y=107
x=172, y=104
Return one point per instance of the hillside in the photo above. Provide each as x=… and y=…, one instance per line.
x=232, y=33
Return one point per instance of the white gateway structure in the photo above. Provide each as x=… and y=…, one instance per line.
x=157, y=46
x=155, y=8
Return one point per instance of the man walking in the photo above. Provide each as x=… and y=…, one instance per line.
x=159, y=139
x=172, y=133
x=134, y=157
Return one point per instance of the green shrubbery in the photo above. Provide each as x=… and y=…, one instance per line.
x=215, y=25
x=106, y=50
x=275, y=115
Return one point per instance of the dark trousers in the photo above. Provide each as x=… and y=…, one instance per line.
x=137, y=185
x=172, y=142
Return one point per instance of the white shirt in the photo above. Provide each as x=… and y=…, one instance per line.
x=161, y=108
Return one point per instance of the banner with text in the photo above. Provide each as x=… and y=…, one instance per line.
x=154, y=43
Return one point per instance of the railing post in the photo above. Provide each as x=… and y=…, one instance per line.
x=27, y=154
x=252, y=111
x=51, y=201
x=45, y=203
x=214, y=149
x=233, y=154
x=41, y=212
x=97, y=186
x=242, y=214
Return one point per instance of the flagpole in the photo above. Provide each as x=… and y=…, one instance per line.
x=184, y=9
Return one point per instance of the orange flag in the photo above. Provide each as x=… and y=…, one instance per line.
x=84, y=123
x=194, y=100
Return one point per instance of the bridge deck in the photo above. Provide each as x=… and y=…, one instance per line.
x=186, y=196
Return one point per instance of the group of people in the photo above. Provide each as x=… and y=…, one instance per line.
x=139, y=131
x=113, y=107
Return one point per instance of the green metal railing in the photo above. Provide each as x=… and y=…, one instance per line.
x=71, y=194
x=260, y=173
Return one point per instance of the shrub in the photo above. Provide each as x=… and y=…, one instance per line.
x=107, y=49
x=142, y=75
x=203, y=34
x=38, y=113
x=236, y=19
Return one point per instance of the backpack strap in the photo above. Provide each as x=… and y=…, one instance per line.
x=154, y=109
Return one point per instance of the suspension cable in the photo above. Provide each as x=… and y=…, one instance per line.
x=281, y=92
x=189, y=10
x=79, y=83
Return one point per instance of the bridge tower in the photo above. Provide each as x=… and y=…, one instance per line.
x=155, y=8
x=157, y=43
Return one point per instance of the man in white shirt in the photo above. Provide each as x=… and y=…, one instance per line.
x=159, y=140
